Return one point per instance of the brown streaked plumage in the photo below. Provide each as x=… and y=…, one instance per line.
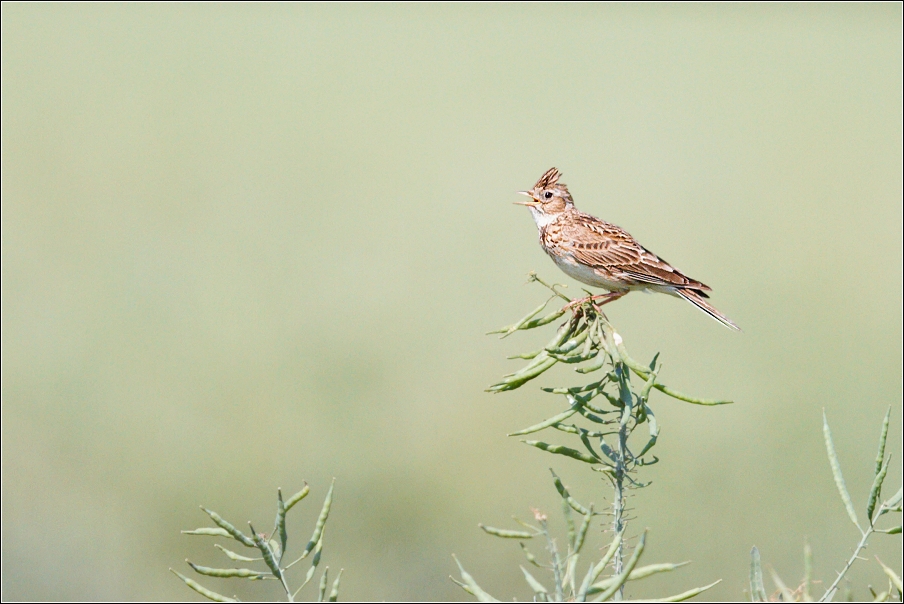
x=601, y=254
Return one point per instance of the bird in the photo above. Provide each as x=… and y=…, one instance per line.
x=604, y=255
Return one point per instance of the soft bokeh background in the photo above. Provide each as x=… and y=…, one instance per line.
x=245, y=246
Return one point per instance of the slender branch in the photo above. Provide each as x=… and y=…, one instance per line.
x=619, y=522
x=553, y=555
x=830, y=592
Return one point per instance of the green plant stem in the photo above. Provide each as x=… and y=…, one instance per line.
x=830, y=592
x=285, y=585
x=618, y=504
x=556, y=562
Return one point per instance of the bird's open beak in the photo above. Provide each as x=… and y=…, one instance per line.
x=532, y=201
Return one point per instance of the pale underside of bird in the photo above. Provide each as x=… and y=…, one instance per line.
x=603, y=255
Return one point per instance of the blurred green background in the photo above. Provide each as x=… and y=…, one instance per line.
x=245, y=246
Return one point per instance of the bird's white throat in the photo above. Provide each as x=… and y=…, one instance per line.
x=540, y=218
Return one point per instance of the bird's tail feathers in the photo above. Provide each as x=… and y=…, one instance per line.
x=697, y=300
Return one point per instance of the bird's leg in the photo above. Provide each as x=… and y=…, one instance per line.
x=610, y=297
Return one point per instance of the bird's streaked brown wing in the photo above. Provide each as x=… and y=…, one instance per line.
x=613, y=252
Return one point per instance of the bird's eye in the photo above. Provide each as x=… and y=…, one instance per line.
x=547, y=195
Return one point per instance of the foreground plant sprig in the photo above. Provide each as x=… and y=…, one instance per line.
x=582, y=338
x=568, y=584
x=271, y=549
x=873, y=514
x=602, y=419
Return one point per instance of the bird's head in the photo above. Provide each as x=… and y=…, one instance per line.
x=548, y=198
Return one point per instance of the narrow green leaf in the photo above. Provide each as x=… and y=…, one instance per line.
x=527, y=525
x=315, y=560
x=654, y=431
x=267, y=552
x=563, y=492
x=621, y=578
x=893, y=503
x=575, y=389
x=808, y=571
x=538, y=360
x=647, y=386
x=276, y=548
x=281, y=524
x=505, y=534
x=316, y=557
x=233, y=532
x=210, y=595
x=757, y=591
x=321, y=521
x=589, y=447
x=573, y=429
x=582, y=532
x=562, y=450
x=594, y=367
x=687, y=595
x=575, y=358
x=883, y=434
x=544, y=320
x=514, y=326
x=545, y=423
x=708, y=402
x=568, y=346
x=209, y=531
x=476, y=590
x=787, y=596
x=334, y=592
x=234, y=556
x=519, y=379
x=625, y=396
x=637, y=574
x=462, y=585
x=895, y=530
x=876, y=490
x=644, y=373
x=594, y=571
x=608, y=471
x=554, y=345
x=570, y=568
x=594, y=418
x=507, y=331
x=291, y=501
x=562, y=334
x=569, y=523
x=224, y=573
x=534, y=584
x=607, y=451
x=836, y=472
x=530, y=557
x=589, y=345
x=318, y=552
x=892, y=576
x=654, y=569
x=323, y=583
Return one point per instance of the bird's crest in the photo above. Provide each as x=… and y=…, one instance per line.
x=549, y=178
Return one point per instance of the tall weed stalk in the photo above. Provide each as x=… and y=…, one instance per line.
x=613, y=432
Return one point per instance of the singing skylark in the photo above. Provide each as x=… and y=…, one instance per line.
x=603, y=255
